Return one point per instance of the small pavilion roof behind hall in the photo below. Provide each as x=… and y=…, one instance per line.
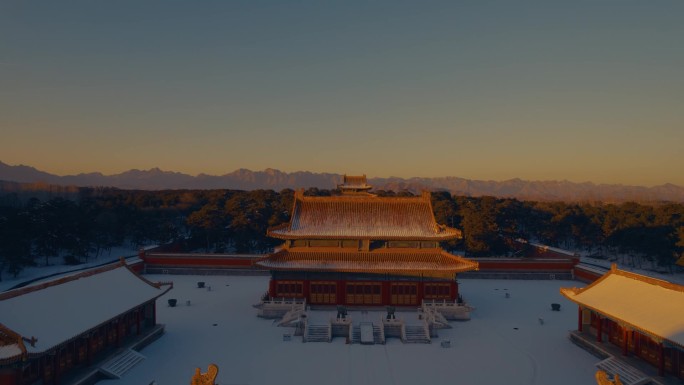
x=354, y=183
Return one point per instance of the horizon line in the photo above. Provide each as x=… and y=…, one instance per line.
x=157, y=168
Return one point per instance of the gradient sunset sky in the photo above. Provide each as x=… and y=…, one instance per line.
x=546, y=90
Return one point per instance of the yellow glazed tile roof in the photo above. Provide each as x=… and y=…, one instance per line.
x=646, y=304
x=428, y=262
x=363, y=217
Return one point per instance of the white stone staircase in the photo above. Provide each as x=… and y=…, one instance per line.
x=366, y=330
x=318, y=333
x=416, y=334
x=121, y=363
x=378, y=334
x=628, y=374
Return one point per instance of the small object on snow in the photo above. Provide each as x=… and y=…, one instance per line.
x=555, y=306
x=208, y=288
x=200, y=284
x=214, y=325
x=541, y=321
x=208, y=378
x=153, y=383
x=446, y=343
x=515, y=328
x=172, y=302
x=287, y=337
x=508, y=295
x=187, y=303
x=227, y=284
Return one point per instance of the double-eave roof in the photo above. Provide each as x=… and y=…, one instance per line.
x=409, y=262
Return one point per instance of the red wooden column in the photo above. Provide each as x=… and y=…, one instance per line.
x=625, y=341
x=272, y=289
x=661, y=359
x=306, y=290
x=420, y=292
x=599, y=329
x=385, y=292
x=55, y=370
x=89, y=349
x=119, y=326
x=579, y=318
x=342, y=289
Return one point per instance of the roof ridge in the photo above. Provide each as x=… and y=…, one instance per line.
x=60, y=281
x=83, y=274
x=646, y=279
x=156, y=285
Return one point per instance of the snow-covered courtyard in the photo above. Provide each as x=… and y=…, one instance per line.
x=503, y=343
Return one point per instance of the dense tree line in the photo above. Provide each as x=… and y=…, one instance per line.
x=39, y=230
x=645, y=232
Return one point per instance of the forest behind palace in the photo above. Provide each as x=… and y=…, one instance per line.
x=68, y=228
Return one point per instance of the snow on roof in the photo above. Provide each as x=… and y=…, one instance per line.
x=46, y=311
x=391, y=261
x=650, y=305
x=363, y=217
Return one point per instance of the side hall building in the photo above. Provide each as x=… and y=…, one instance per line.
x=360, y=249
x=49, y=330
x=643, y=316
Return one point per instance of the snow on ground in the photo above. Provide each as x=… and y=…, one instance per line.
x=220, y=326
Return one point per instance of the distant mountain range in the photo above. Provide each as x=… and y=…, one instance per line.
x=242, y=179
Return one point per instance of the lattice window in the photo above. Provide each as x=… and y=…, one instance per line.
x=438, y=291
x=289, y=289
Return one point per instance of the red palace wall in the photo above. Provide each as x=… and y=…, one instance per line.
x=585, y=275
x=247, y=262
x=199, y=260
x=530, y=265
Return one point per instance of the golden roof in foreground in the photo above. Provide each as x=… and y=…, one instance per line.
x=649, y=305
